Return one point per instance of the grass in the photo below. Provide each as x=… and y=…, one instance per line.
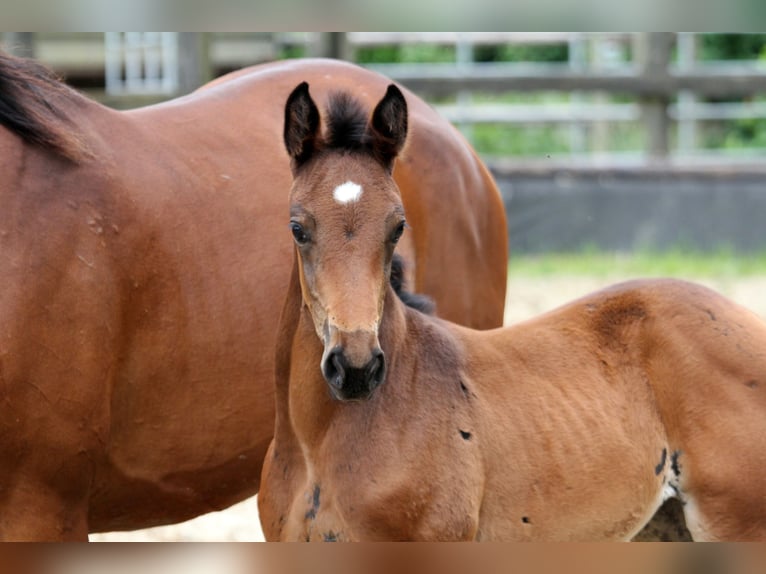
x=681, y=263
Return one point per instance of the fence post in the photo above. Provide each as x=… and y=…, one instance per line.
x=464, y=59
x=19, y=43
x=605, y=55
x=687, y=126
x=193, y=60
x=332, y=45
x=653, y=55
x=578, y=61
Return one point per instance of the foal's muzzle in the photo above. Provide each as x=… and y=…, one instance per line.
x=349, y=383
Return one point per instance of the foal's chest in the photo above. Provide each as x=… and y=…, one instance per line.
x=323, y=514
x=390, y=490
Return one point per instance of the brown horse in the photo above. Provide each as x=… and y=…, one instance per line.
x=143, y=268
x=576, y=425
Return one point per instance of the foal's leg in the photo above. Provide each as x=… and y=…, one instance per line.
x=722, y=460
x=725, y=498
x=708, y=367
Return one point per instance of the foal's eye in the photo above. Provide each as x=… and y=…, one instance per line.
x=300, y=235
x=397, y=234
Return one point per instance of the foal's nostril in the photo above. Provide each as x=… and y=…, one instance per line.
x=352, y=383
x=334, y=368
x=376, y=368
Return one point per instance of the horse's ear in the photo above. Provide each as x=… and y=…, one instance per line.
x=301, y=125
x=389, y=125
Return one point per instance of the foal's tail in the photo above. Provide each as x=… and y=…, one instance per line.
x=29, y=94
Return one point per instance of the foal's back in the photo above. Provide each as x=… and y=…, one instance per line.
x=591, y=415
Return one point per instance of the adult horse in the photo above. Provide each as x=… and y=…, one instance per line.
x=576, y=425
x=143, y=269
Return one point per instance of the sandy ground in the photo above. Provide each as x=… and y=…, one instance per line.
x=526, y=298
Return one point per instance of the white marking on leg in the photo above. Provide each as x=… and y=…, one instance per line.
x=347, y=192
x=695, y=522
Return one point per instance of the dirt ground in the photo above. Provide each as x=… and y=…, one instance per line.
x=527, y=297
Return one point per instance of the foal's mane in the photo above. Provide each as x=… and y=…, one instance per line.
x=30, y=106
x=422, y=303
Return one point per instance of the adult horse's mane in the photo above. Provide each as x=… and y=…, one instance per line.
x=31, y=98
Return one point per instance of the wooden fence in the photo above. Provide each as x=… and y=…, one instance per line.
x=665, y=85
x=668, y=88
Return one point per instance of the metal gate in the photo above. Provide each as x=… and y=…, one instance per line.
x=141, y=62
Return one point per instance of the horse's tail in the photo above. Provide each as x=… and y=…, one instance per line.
x=30, y=106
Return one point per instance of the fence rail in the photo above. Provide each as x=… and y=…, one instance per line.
x=708, y=80
x=666, y=91
x=659, y=72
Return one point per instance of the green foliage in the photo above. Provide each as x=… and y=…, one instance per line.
x=406, y=54
x=522, y=53
x=435, y=53
x=378, y=55
x=507, y=139
x=746, y=133
x=540, y=140
x=741, y=134
x=292, y=51
x=679, y=262
x=732, y=46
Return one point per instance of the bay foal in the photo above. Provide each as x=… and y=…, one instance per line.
x=576, y=425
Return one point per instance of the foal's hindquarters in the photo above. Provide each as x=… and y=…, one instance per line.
x=590, y=416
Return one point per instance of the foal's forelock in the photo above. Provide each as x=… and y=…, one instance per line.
x=346, y=123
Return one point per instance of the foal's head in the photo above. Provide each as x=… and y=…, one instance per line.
x=346, y=217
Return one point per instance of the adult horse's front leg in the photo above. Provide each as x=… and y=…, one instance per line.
x=34, y=509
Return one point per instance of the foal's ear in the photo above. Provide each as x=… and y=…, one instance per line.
x=301, y=125
x=389, y=125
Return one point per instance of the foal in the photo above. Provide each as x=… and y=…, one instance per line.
x=576, y=425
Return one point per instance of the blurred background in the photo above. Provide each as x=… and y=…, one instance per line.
x=604, y=141
x=618, y=155
x=617, y=97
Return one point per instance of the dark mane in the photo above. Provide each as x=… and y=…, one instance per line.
x=422, y=303
x=29, y=94
x=346, y=123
